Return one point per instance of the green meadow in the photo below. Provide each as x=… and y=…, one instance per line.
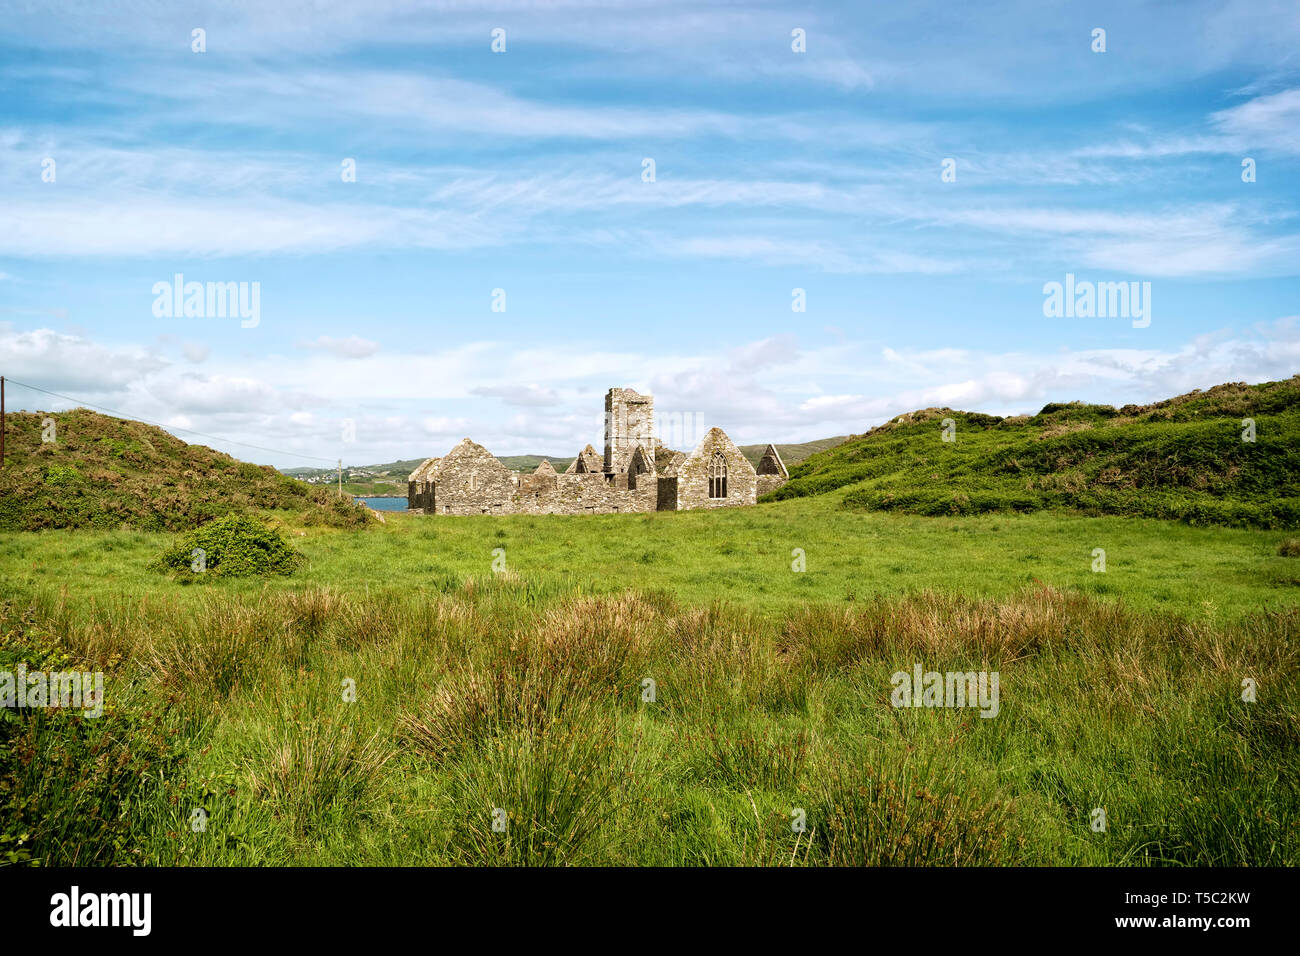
x=743, y=558
x=395, y=696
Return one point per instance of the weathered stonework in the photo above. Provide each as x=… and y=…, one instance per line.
x=637, y=474
x=772, y=473
x=419, y=486
x=471, y=481
x=579, y=494
x=629, y=424
x=715, y=475
x=587, y=462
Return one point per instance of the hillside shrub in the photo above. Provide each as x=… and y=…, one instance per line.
x=235, y=546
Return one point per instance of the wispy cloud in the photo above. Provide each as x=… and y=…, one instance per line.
x=351, y=347
x=1268, y=122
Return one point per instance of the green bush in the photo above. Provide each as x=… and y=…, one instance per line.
x=235, y=546
x=61, y=475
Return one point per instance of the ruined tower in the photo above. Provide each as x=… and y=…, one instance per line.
x=629, y=424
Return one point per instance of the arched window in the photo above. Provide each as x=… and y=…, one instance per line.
x=718, y=476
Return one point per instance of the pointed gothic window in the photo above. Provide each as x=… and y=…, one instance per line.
x=718, y=476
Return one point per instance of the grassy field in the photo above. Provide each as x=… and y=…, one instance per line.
x=523, y=691
x=743, y=557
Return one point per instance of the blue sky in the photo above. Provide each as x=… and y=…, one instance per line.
x=523, y=171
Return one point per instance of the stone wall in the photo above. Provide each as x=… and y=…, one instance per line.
x=419, y=495
x=472, y=481
x=574, y=494
x=419, y=486
x=693, y=475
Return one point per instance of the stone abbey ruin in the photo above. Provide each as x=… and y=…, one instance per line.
x=636, y=474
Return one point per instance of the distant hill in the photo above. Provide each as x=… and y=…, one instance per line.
x=1183, y=458
x=392, y=469
x=791, y=454
x=530, y=462
x=107, y=472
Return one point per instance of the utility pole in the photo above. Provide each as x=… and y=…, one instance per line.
x=2, y=421
x=340, y=477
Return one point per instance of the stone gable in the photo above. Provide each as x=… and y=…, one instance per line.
x=772, y=473
x=589, y=461
x=771, y=463
x=641, y=464
x=472, y=481
x=715, y=475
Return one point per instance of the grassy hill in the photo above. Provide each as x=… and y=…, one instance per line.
x=1183, y=459
x=105, y=472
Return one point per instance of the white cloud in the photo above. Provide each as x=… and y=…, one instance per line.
x=519, y=394
x=73, y=364
x=444, y=427
x=777, y=350
x=217, y=394
x=767, y=390
x=352, y=347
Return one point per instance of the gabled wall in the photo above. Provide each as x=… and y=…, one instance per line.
x=472, y=481
x=772, y=473
x=693, y=475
